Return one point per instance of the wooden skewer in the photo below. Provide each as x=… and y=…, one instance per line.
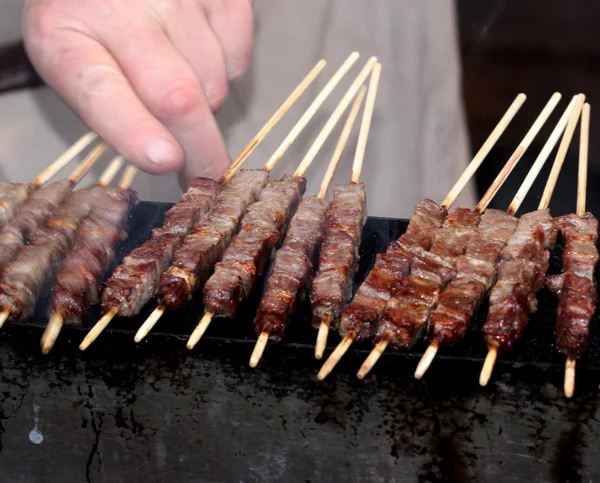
x=56, y=321
x=562, y=152
x=538, y=164
x=484, y=150
x=518, y=153
x=431, y=351
x=275, y=118
x=372, y=358
x=302, y=167
x=488, y=366
x=365, y=126
x=93, y=334
x=569, y=384
x=336, y=355
x=259, y=348
x=359, y=156
x=470, y=170
x=312, y=109
x=335, y=117
x=87, y=163
x=65, y=158
x=158, y=312
x=322, y=336
x=263, y=338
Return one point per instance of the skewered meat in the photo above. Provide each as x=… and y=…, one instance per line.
x=521, y=272
x=407, y=311
x=292, y=267
x=25, y=277
x=390, y=269
x=34, y=212
x=78, y=281
x=576, y=286
x=475, y=276
x=338, y=261
x=193, y=262
x=135, y=281
x=12, y=197
x=244, y=260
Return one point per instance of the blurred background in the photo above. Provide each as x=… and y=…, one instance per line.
x=450, y=70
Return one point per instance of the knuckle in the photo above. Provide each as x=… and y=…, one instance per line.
x=216, y=94
x=179, y=99
x=40, y=22
x=96, y=81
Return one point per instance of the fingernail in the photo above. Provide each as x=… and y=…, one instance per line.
x=161, y=151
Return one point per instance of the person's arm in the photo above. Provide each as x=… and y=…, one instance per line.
x=146, y=75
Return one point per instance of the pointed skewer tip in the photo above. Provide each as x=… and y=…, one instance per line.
x=199, y=330
x=372, y=358
x=427, y=358
x=322, y=337
x=259, y=348
x=488, y=365
x=569, y=385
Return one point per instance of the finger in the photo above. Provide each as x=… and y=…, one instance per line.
x=168, y=86
x=232, y=22
x=94, y=86
x=192, y=35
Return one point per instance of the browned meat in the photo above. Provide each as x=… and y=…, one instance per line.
x=474, y=277
x=523, y=264
x=391, y=267
x=407, y=311
x=292, y=267
x=12, y=198
x=263, y=226
x=338, y=261
x=77, y=282
x=194, y=261
x=576, y=286
x=135, y=281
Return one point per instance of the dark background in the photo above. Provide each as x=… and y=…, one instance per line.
x=157, y=412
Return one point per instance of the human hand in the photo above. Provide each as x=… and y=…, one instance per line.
x=146, y=75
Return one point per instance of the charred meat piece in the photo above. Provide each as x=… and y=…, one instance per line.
x=135, y=281
x=521, y=270
x=391, y=268
x=576, y=286
x=263, y=226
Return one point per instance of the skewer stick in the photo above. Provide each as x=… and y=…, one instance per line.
x=311, y=111
x=111, y=171
x=336, y=355
x=373, y=357
x=4, y=315
x=562, y=152
x=341, y=144
x=259, y=348
x=275, y=118
x=127, y=178
x=93, y=334
x=518, y=153
x=487, y=146
x=56, y=321
x=147, y=326
x=431, y=351
x=583, y=159
x=490, y=360
x=199, y=330
x=335, y=117
x=150, y=322
x=427, y=358
x=322, y=336
x=87, y=163
x=365, y=126
x=569, y=384
x=538, y=164
x=488, y=365
x=263, y=338
x=484, y=151
x=65, y=158
x=359, y=156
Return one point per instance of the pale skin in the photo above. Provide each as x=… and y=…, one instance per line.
x=146, y=75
